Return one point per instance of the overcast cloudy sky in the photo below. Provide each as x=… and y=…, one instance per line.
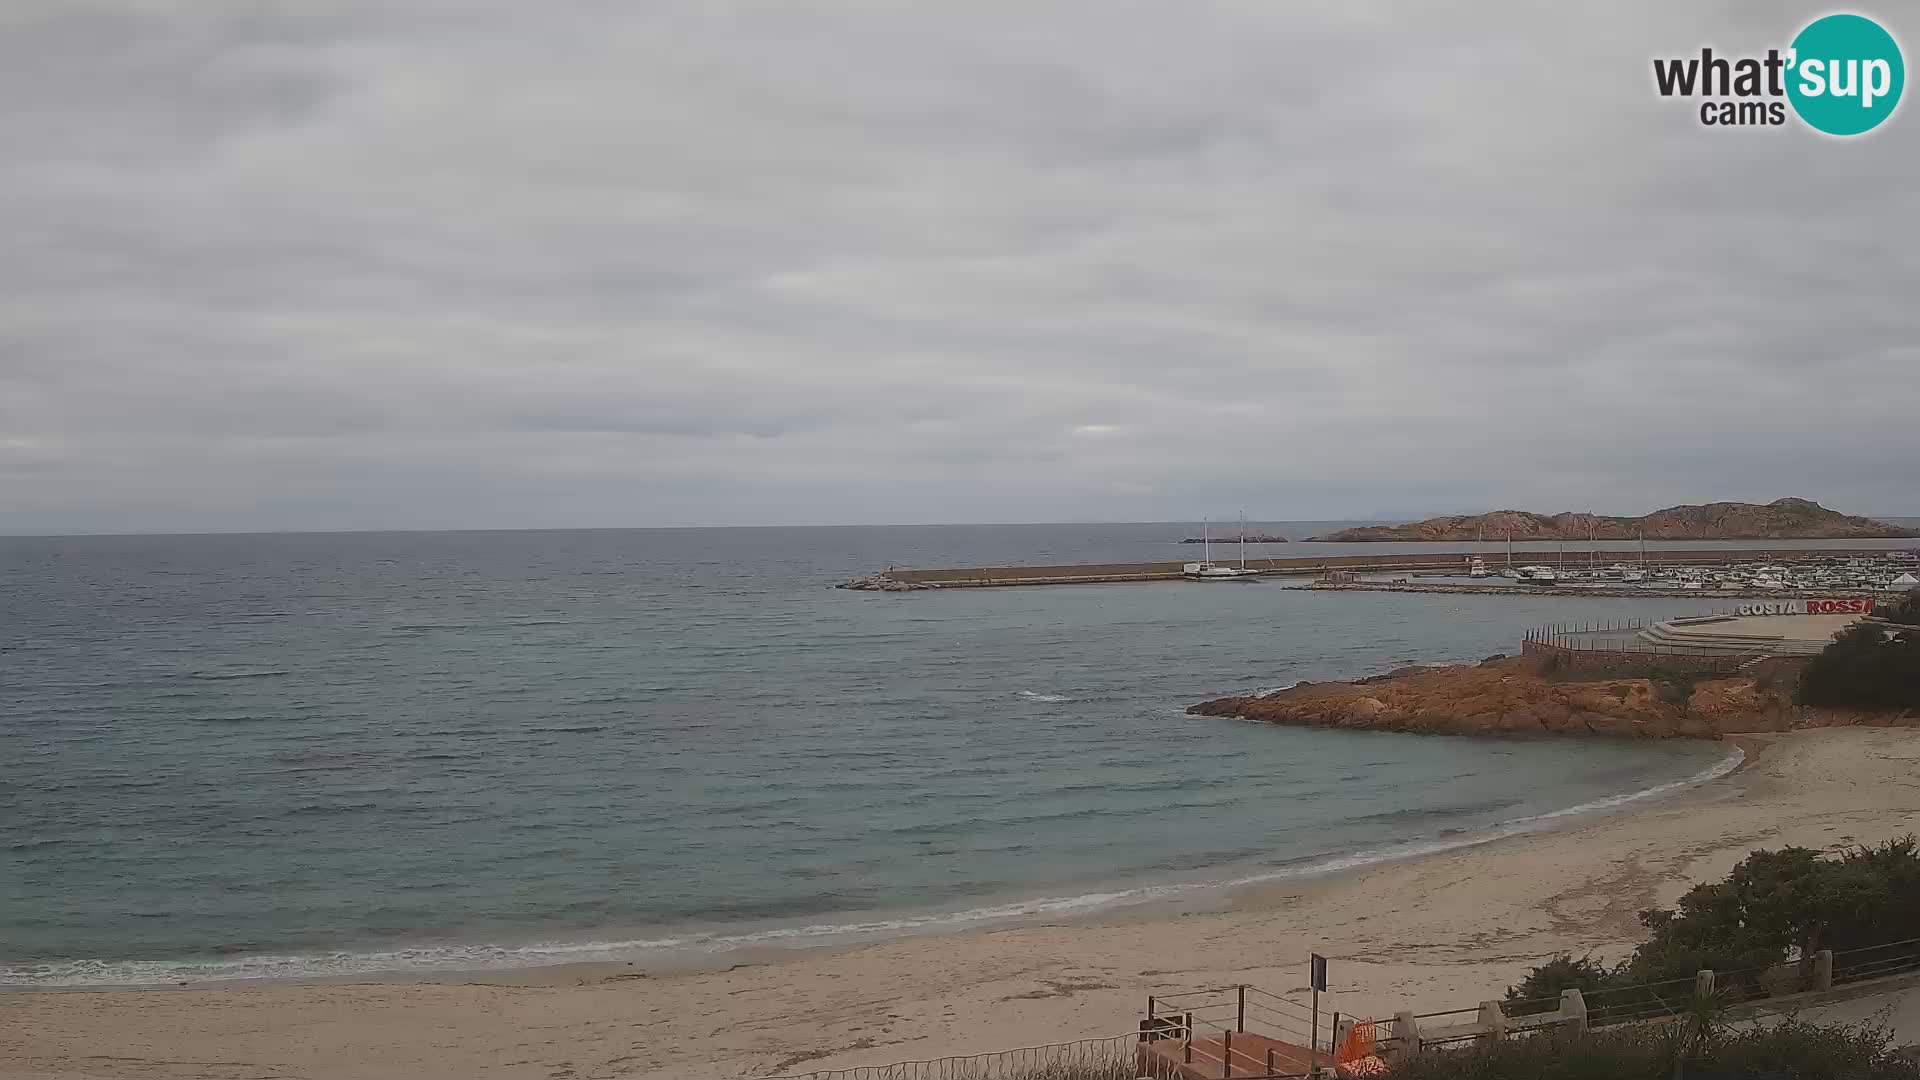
x=468, y=264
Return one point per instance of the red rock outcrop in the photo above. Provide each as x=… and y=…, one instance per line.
x=1516, y=697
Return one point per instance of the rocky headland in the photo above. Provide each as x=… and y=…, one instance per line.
x=1782, y=519
x=1522, y=696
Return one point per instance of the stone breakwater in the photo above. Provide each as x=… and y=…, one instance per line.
x=998, y=576
x=882, y=583
x=1412, y=563
x=1522, y=696
x=1631, y=591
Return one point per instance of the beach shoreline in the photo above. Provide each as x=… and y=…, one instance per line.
x=637, y=949
x=1441, y=930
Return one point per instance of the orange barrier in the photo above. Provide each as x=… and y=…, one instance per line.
x=1358, y=1053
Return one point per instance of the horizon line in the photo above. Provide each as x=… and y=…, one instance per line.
x=404, y=530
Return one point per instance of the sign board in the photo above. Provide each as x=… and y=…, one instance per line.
x=1839, y=605
x=1319, y=972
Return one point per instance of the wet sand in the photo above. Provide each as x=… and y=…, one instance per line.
x=1445, y=930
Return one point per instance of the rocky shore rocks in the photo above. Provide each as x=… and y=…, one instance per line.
x=881, y=583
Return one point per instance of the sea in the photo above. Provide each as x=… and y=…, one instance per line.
x=288, y=755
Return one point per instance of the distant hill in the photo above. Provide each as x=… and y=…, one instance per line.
x=1782, y=519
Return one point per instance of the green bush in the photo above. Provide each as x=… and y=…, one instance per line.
x=1790, y=1049
x=1673, y=691
x=1905, y=610
x=1866, y=667
x=1773, y=906
x=1540, y=991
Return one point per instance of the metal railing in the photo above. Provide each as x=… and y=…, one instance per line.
x=1447, y=1027
x=1670, y=999
x=1580, y=641
x=1233, y=1030
x=1114, y=1057
x=1203, y=1023
x=1876, y=961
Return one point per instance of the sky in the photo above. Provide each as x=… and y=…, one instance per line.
x=483, y=264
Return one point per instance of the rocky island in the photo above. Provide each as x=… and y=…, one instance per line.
x=1782, y=519
x=1522, y=696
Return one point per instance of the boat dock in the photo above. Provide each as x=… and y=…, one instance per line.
x=1411, y=563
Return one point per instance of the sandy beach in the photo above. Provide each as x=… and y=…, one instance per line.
x=1441, y=931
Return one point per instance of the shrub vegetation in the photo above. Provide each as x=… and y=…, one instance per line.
x=1790, y=1049
x=1776, y=907
x=1865, y=666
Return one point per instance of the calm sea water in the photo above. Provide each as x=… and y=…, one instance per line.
x=239, y=756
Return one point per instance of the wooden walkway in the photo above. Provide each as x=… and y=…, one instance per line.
x=1254, y=1055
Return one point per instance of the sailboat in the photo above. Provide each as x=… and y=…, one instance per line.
x=1206, y=570
x=1637, y=573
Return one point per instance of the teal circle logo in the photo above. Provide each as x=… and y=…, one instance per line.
x=1845, y=74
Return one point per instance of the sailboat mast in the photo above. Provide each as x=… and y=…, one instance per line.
x=1206, y=540
x=1243, y=539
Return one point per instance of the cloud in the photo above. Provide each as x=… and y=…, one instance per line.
x=442, y=265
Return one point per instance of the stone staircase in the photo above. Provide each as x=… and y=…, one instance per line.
x=1692, y=635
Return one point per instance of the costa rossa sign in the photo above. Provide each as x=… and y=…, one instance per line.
x=1838, y=605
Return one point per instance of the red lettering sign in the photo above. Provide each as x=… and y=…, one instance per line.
x=1847, y=605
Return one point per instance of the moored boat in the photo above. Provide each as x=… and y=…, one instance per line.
x=1207, y=570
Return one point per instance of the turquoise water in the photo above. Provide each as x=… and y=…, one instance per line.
x=286, y=755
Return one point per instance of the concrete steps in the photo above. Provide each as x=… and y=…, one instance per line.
x=1705, y=640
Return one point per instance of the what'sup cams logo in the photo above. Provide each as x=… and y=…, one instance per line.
x=1842, y=75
